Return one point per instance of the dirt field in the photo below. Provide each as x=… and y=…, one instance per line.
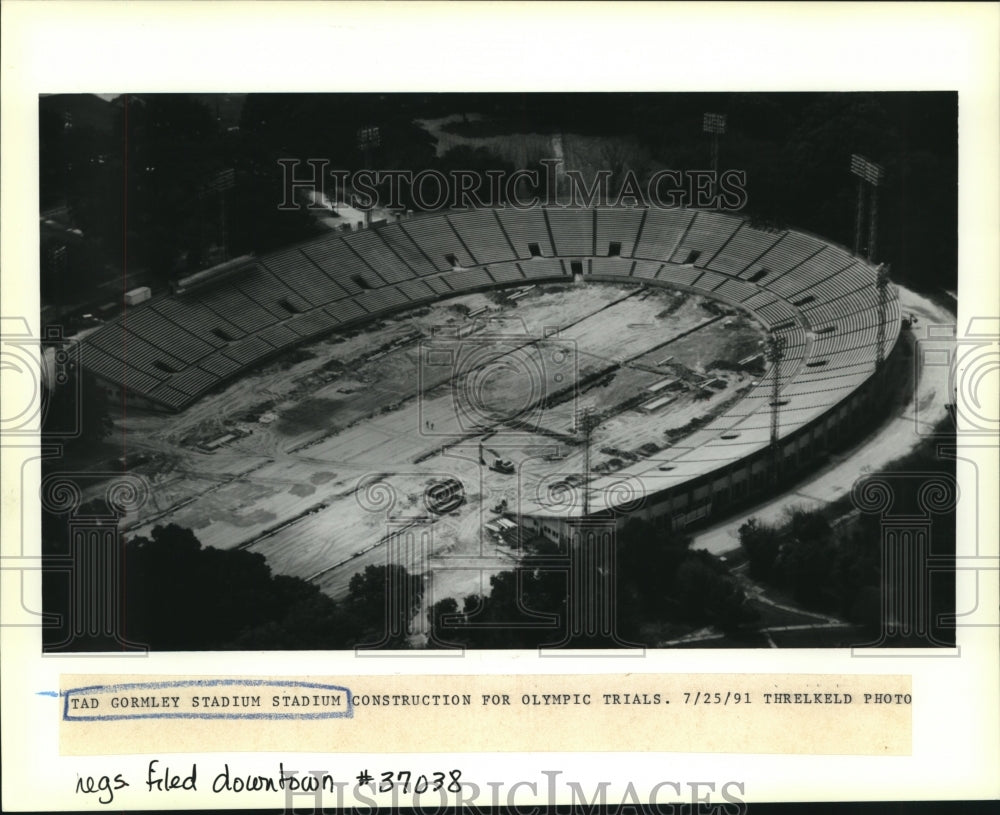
x=335, y=444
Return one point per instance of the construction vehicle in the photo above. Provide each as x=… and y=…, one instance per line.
x=502, y=465
x=496, y=462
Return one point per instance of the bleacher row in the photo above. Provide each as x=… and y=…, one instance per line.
x=173, y=349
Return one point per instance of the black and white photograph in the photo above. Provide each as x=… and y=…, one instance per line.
x=514, y=370
x=466, y=406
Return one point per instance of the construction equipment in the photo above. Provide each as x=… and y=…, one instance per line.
x=496, y=462
x=502, y=465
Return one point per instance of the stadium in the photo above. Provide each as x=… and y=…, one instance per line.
x=684, y=439
x=493, y=357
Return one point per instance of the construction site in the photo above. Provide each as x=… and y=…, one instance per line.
x=316, y=460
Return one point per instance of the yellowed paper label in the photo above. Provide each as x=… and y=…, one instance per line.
x=730, y=713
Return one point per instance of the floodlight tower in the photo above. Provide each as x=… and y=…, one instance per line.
x=217, y=185
x=585, y=423
x=774, y=352
x=870, y=173
x=873, y=216
x=369, y=138
x=715, y=125
x=882, y=285
x=859, y=213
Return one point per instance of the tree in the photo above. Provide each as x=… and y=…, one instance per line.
x=369, y=604
x=173, y=149
x=762, y=546
x=690, y=587
x=658, y=581
x=76, y=412
x=509, y=617
x=436, y=614
x=726, y=605
x=179, y=595
x=805, y=570
x=706, y=593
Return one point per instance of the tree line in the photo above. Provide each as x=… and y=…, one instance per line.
x=661, y=587
x=177, y=595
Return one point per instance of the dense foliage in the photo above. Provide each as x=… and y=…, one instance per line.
x=836, y=566
x=659, y=582
x=177, y=595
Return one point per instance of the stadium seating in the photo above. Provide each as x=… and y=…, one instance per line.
x=646, y=268
x=544, y=269
x=170, y=397
x=439, y=284
x=406, y=250
x=705, y=236
x=161, y=332
x=114, y=367
x=369, y=245
x=504, y=273
x=198, y=320
x=745, y=248
x=709, y=281
x=525, y=227
x=303, y=276
x=678, y=275
x=813, y=271
x=193, y=381
x=572, y=231
x=382, y=300
x=787, y=253
x=311, y=323
x=135, y=352
x=438, y=241
x=271, y=293
x=480, y=231
x=736, y=291
x=618, y=225
x=230, y=302
x=346, y=311
x=220, y=365
x=417, y=291
x=661, y=232
x=340, y=264
x=820, y=299
x=469, y=279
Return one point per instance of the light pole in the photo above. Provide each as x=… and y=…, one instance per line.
x=870, y=173
x=586, y=422
x=775, y=352
x=369, y=138
x=715, y=125
x=859, y=216
x=219, y=183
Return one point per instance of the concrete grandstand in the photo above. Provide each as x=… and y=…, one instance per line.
x=821, y=300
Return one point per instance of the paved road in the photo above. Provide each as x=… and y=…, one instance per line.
x=897, y=436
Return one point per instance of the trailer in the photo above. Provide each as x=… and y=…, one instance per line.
x=136, y=296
